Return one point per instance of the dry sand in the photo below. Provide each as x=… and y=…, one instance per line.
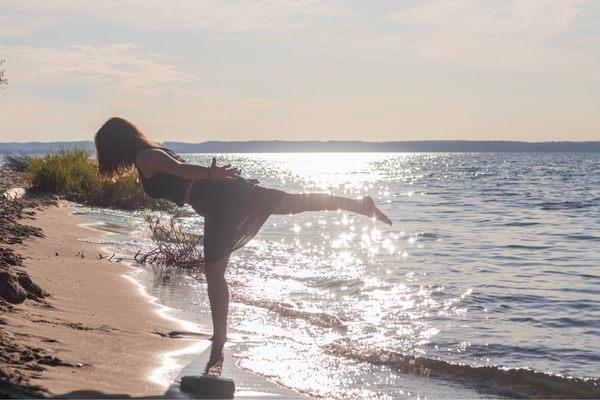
x=96, y=320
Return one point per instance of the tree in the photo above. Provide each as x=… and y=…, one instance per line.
x=3, y=80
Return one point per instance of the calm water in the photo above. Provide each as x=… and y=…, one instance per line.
x=492, y=261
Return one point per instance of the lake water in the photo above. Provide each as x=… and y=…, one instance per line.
x=487, y=284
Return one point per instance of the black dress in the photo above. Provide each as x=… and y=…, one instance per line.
x=233, y=211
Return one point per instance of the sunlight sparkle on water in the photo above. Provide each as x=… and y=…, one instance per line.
x=422, y=286
x=350, y=171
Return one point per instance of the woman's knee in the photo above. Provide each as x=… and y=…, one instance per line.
x=215, y=270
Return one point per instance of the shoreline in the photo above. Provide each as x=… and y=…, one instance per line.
x=248, y=383
x=108, y=341
x=99, y=343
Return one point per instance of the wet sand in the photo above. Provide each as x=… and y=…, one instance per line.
x=101, y=334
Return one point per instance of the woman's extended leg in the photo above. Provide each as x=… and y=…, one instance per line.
x=218, y=296
x=293, y=203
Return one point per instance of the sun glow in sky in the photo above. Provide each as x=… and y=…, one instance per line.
x=305, y=69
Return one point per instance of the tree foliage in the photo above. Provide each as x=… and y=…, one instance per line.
x=3, y=80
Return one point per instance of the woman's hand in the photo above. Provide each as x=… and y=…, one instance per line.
x=225, y=173
x=235, y=173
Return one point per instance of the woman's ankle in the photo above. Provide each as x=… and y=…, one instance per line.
x=218, y=338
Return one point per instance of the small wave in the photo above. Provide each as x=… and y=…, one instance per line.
x=583, y=237
x=335, y=282
x=521, y=246
x=571, y=322
x=565, y=205
x=532, y=352
x=518, y=223
x=285, y=309
x=509, y=194
x=558, y=322
x=515, y=382
x=428, y=235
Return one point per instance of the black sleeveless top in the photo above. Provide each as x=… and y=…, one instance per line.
x=233, y=211
x=165, y=186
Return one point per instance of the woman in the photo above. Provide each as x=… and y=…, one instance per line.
x=233, y=208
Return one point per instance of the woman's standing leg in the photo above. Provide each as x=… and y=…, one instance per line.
x=218, y=296
x=293, y=203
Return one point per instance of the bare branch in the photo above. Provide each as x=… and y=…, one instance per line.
x=173, y=247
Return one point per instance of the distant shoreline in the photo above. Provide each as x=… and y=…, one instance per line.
x=277, y=146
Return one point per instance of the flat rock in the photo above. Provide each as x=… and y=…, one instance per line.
x=208, y=386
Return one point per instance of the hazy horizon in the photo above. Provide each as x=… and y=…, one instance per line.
x=303, y=70
x=316, y=140
x=337, y=146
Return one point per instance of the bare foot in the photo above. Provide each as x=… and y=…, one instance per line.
x=372, y=211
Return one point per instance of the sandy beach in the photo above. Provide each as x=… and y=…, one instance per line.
x=88, y=328
x=103, y=335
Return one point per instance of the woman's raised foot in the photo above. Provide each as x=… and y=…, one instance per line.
x=371, y=210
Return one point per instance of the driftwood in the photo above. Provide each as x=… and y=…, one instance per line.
x=173, y=247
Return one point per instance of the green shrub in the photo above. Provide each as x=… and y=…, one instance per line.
x=128, y=194
x=64, y=172
x=74, y=175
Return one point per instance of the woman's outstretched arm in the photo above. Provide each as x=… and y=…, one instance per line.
x=156, y=160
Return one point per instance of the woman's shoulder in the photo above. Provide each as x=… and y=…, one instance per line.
x=152, y=152
x=142, y=155
x=171, y=153
x=144, y=159
x=155, y=159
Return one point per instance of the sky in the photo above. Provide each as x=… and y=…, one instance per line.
x=198, y=70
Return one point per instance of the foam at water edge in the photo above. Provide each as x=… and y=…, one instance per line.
x=172, y=361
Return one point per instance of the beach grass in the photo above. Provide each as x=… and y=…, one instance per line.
x=73, y=174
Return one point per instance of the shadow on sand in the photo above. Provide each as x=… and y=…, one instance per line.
x=210, y=384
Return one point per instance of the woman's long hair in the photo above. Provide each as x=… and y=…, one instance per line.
x=117, y=143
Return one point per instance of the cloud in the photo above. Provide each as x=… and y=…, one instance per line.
x=123, y=65
x=23, y=27
x=344, y=67
x=227, y=16
x=514, y=35
x=525, y=35
x=216, y=15
x=529, y=20
x=255, y=102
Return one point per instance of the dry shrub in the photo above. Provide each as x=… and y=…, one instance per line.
x=173, y=247
x=16, y=162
